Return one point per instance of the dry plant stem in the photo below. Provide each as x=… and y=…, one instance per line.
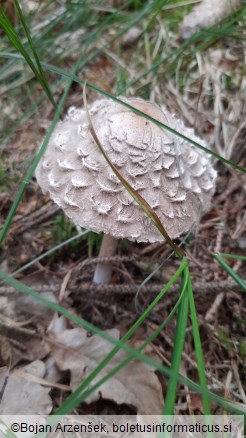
x=103, y=271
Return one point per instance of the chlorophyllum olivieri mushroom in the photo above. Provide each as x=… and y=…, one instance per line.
x=173, y=176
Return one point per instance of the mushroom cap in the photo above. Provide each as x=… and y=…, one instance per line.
x=173, y=176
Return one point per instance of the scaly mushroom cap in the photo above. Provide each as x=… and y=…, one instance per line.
x=174, y=177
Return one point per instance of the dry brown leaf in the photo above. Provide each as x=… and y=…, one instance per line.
x=205, y=14
x=23, y=396
x=136, y=384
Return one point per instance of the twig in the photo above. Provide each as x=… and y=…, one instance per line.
x=128, y=289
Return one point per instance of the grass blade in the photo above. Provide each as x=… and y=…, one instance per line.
x=16, y=42
x=178, y=346
x=31, y=170
x=33, y=166
x=79, y=394
x=41, y=76
x=232, y=256
x=230, y=271
x=198, y=349
x=136, y=196
x=135, y=354
x=72, y=317
x=75, y=78
x=49, y=252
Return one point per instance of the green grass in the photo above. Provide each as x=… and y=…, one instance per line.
x=62, y=230
x=37, y=50
x=78, y=396
x=229, y=270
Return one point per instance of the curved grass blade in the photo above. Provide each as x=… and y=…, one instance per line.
x=68, y=404
x=73, y=402
x=71, y=316
x=231, y=272
x=76, y=319
x=31, y=170
x=49, y=252
x=232, y=256
x=137, y=111
x=33, y=166
x=190, y=47
x=16, y=42
x=136, y=196
x=90, y=327
x=76, y=79
x=76, y=398
x=41, y=76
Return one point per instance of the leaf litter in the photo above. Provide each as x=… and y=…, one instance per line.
x=35, y=398
x=136, y=384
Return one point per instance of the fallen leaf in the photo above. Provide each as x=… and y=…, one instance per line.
x=136, y=384
x=23, y=396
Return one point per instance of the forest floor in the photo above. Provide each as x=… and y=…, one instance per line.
x=204, y=85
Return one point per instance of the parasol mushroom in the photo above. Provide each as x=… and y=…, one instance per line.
x=173, y=176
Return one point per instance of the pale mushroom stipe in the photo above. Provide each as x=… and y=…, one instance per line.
x=175, y=178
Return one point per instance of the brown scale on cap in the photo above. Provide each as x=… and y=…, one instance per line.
x=173, y=176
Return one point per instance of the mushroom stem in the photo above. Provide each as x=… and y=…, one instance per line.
x=103, y=271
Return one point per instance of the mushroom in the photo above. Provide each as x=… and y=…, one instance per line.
x=173, y=176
